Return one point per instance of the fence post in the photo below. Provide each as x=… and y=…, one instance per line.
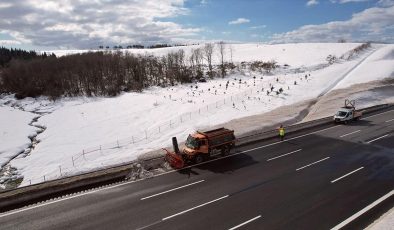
x=30, y=182
x=146, y=135
x=44, y=178
x=72, y=158
x=60, y=169
x=83, y=154
x=100, y=148
x=199, y=112
x=216, y=104
x=207, y=107
x=170, y=123
x=117, y=141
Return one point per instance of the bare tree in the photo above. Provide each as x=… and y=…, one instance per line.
x=196, y=59
x=230, y=48
x=208, y=52
x=222, y=52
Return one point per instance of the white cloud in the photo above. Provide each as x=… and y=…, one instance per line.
x=258, y=27
x=204, y=2
x=347, y=1
x=239, y=21
x=9, y=42
x=373, y=24
x=386, y=3
x=86, y=24
x=312, y=2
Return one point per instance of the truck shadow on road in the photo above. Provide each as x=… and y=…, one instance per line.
x=224, y=165
x=363, y=123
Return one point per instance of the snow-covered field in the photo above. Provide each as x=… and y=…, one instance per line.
x=83, y=134
x=14, y=132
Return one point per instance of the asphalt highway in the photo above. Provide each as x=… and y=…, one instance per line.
x=325, y=178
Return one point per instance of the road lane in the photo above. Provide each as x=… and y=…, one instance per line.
x=273, y=184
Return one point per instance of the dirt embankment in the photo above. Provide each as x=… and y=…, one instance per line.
x=366, y=94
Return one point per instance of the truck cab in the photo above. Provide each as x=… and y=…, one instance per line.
x=344, y=114
x=196, y=143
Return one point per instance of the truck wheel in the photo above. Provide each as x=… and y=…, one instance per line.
x=225, y=150
x=198, y=159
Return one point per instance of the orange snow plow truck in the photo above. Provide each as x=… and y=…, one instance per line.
x=201, y=146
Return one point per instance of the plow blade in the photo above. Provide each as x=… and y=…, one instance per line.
x=174, y=159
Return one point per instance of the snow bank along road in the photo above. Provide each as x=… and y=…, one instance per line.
x=342, y=176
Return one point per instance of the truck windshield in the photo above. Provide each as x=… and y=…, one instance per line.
x=191, y=142
x=341, y=113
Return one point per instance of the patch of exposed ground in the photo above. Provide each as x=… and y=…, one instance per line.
x=365, y=95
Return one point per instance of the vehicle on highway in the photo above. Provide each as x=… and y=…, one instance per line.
x=201, y=146
x=347, y=113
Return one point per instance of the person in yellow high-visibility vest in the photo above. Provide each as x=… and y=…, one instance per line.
x=281, y=132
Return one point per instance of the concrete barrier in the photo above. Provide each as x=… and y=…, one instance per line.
x=19, y=197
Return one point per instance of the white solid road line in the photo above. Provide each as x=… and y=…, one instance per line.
x=283, y=155
x=161, y=193
x=333, y=181
x=350, y=133
x=377, y=139
x=378, y=114
x=246, y=222
x=390, y=120
x=190, y=209
x=312, y=163
x=171, y=171
x=362, y=211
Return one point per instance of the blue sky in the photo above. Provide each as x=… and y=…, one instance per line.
x=269, y=16
x=36, y=24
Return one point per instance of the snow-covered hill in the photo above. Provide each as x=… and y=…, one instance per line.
x=83, y=134
x=295, y=55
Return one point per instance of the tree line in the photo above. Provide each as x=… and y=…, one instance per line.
x=6, y=55
x=107, y=73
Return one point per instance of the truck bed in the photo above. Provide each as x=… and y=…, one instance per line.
x=216, y=132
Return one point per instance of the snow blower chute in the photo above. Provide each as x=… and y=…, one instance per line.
x=174, y=158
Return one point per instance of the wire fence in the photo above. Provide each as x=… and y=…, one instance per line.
x=238, y=101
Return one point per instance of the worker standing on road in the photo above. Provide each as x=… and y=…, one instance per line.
x=281, y=132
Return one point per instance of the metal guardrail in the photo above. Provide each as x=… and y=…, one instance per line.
x=15, y=197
